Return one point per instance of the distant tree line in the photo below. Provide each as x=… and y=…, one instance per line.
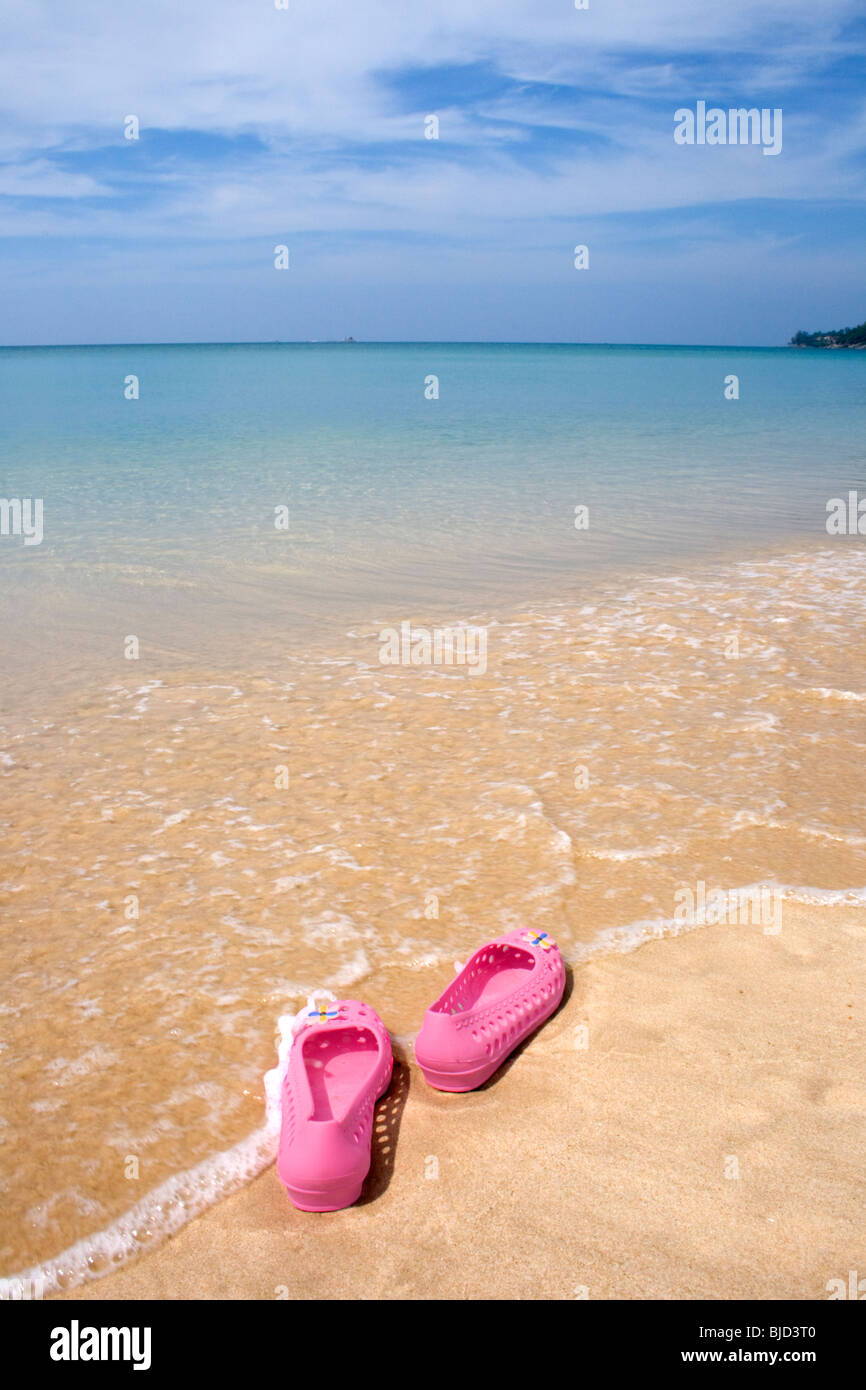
x=839, y=337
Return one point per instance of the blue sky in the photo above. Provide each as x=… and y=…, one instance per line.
x=305, y=127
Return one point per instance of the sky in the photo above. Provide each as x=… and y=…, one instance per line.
x=305, y=127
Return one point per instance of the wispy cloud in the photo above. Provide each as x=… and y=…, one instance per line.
x=258, y=125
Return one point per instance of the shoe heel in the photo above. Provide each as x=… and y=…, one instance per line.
x=457, y=1081
x=324, y=1201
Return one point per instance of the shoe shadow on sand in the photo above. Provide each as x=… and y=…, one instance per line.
x=386, y=1126
x=389, y=1110
x=521, y=1047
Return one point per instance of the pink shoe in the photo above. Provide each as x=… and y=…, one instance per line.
x=501, y=995
x=339, y=1065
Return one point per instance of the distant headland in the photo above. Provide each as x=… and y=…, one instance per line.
x=837, y=338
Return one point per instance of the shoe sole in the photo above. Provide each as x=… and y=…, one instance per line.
x=323, y=1201
x=460, y=1081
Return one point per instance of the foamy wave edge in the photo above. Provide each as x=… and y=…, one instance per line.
x=168, y=1208
x=162, y=1213
x=179, y=1200
x=622, y=940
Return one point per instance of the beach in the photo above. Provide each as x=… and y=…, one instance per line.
x=241, y=763
x=701, y=1139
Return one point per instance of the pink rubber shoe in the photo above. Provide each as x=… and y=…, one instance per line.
x=503, y=993
x=339, y=1065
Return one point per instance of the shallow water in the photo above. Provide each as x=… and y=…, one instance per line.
x=159, y=513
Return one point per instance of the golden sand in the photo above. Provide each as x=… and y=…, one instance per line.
x=188, y=853
x=703, y=1139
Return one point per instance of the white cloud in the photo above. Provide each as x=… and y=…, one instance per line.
x=312, y=84
x=42, y=179
x=232, y=65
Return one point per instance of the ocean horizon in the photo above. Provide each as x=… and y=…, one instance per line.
x=413, y=342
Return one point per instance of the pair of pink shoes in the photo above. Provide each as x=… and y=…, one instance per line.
x=340, y=1061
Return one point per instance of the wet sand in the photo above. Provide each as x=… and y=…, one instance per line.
x=702, y=1138
x=188, y=854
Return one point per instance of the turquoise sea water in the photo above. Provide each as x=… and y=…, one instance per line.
x=159, y=512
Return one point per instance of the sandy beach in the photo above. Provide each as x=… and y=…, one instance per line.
x=188, y=856
x=600, y=1161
